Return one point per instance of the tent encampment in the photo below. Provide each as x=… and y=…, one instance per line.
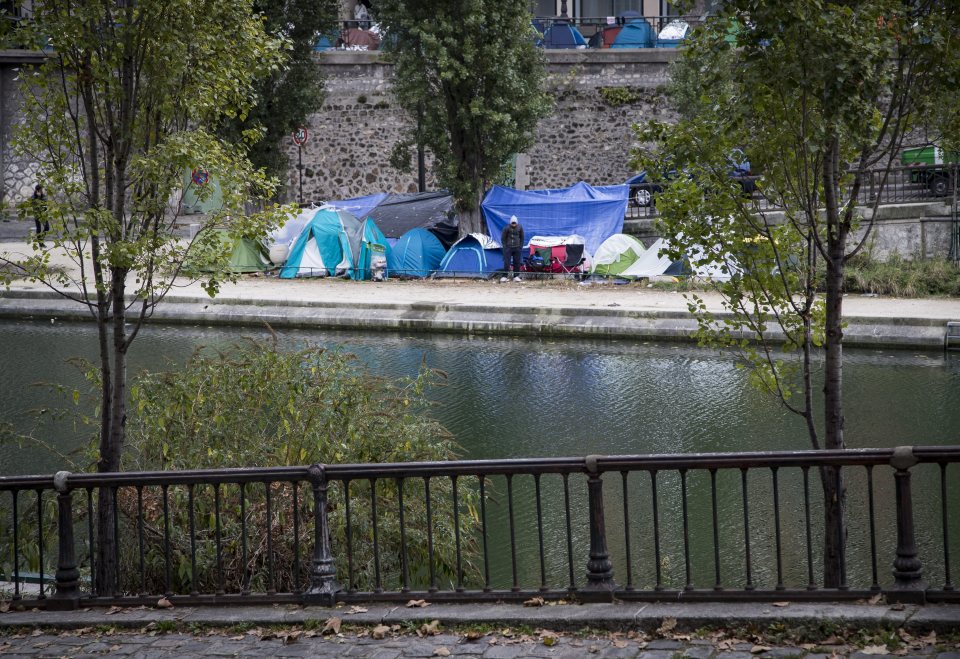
x=475, y=256
x=635, y=34
x=328, y=245
x=596, y=213
x=616, y=254
x=418, y=253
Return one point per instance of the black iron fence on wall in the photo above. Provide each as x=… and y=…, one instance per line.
x=901, y=185
x=723, y=526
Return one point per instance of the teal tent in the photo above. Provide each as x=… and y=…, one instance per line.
x=374, y=253
x=328, y=246
x=418, y=254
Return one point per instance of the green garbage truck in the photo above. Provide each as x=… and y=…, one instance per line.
x=937, y=166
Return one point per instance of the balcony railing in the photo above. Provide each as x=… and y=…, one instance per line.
x=725, y=526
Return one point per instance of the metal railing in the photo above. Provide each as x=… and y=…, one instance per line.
x=723, y=526
x=910, y=184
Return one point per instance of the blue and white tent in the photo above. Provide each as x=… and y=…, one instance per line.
x=583, y=210
x=328, y=246
x=636, y=33
x=418, y=253
x=475, y=256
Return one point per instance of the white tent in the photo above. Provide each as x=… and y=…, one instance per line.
x=650, y=263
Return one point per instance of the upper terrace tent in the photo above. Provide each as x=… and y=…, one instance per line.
x=563, y=35
x=637, y=33
x=594, y=213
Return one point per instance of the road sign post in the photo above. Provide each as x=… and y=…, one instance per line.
x=300, y=137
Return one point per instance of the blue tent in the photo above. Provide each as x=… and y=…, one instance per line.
x=476, y=256
x=418, y=253
x=327, y=246
x=635, y=34
x=563, y=35
x=594, y=213
x=374, y=254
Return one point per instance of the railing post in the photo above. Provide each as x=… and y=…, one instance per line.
x=907, y=569
x=323, y=575
x=67, y=595
x=599, y=567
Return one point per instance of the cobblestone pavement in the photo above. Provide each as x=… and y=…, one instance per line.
x=395, y=642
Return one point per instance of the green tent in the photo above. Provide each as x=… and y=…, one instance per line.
x=247, y=255
x=616, y=254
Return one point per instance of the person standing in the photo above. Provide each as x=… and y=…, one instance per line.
x=40, y=212
x=511, y=240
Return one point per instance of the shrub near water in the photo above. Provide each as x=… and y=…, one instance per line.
x=903, y=278
x=257, y=405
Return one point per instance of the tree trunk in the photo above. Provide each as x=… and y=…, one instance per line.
x=834, y=492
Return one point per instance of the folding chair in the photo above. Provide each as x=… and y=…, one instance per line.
x=574, y=259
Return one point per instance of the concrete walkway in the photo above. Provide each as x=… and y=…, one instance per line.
x=534, y=308
x=646, y=631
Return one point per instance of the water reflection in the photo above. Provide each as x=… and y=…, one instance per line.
x=526, y=398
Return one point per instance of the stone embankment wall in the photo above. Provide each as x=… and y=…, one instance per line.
x=598, y=96
x=17, y=174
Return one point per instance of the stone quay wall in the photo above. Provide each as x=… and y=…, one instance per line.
x=587, y=137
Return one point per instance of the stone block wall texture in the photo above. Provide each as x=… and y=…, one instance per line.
x=586, y=138
x=17, y=174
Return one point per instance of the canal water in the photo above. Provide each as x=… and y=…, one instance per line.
x=507, y=398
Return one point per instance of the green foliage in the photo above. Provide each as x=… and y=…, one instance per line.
x=256, y=404
x=816, y=94
x=472, y=74
x=285, y=97
x=617, y=96
x=901, y=277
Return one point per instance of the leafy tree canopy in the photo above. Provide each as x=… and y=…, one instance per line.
x=471, y=73
x=286, y=97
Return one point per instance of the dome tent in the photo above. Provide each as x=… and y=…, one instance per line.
x=328, y=246
x=475, y=255
x=418, y=253
x=616, y=254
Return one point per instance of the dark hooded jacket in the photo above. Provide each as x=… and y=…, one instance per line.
x=512, y=237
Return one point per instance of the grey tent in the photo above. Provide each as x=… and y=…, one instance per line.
x=399, y=213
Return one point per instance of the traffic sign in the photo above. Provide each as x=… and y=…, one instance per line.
x=200, y=176
x=300, y=136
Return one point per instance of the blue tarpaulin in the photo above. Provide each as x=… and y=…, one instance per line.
x=359, y=206
x=596, y=213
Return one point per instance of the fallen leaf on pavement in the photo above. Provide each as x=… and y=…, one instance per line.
x=413, y=604
x=113, y=609
x=875, y=649
x=781, y=604
x=441, y=652
x=164, y=603
x=876, y=599
x=759, y=649
x=534, y=601
x=667, y=625
x=620, y=644
x=473, y=635
x=380, y=631
x=4, y=607
x=332, y=626
x=429, y=629
x=356, y=609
